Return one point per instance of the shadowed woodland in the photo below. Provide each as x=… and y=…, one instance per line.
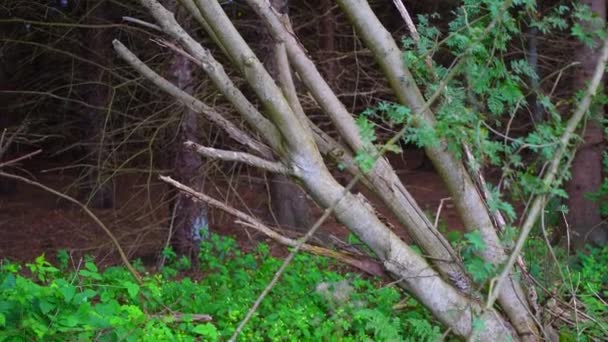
x=450, y=151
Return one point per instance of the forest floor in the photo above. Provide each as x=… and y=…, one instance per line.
x=35, y=222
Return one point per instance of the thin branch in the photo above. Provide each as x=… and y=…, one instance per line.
x=4, y=145
x=142, y=23
x=184, y=317
x=365, y=265
x=216, y=73
x=190, y=101
x=540, y=201
x=242, y=157
x=106, y=230
x=292, y=255
x=18, y=159
x=408, y=20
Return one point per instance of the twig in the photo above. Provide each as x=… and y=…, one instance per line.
x=242, y=157
x=367, y=266
x=4, y=145
x=142, y=23
x=18, y=159
x=290, y=257
x=191, y=102
x=181, y=317
x=439, y=210
x=115, y=242
x=540, y=201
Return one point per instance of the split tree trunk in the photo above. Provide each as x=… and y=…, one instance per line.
x=584, y=218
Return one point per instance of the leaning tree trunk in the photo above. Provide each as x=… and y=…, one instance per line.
x=98, y=188
x=465, y=195
x=289, y=203
x=584, y=218
x=289, y=134
x=189, y=223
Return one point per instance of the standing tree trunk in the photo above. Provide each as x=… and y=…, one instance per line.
x=7, y=186
x=98, y=187
x=328, y=30
x=584, y=216
x=189, y=218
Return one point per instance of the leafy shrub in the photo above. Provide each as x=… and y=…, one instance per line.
x=310, y=303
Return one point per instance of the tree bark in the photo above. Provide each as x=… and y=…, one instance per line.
x=298, y=151
x=98, y=188
x=584, y=218
x=190, y=223
x=328, y=46
x=465, y=195
x=288, y=201
x=7, y=186
x=385, y=182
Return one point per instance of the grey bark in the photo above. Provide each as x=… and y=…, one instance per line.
x=383, y=178
x=288, y=201
x=465, y=195
x=300, y=153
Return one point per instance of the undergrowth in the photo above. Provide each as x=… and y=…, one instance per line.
x=310, y=303
x=42, y=301
x=573, y=289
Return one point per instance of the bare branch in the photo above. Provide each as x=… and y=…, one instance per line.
x=123, y=255
x=18, y=159
x=216, y=73
x=539, y=202
x=242, y=157
x=142, y=23
x=190, y=101
x=363, y=264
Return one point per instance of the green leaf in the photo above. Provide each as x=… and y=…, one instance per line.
x=207, y=330
x=68, y=291
x=132, y=289
x=474, y=239
x=46, y=306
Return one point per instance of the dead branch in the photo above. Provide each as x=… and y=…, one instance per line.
x=363, y=264
x=241, y=157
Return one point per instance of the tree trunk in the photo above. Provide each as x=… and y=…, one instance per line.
x=328, y=30
x=98, y=188
x=296, y=148
x=464, y=193
x=7, y=119
x=584, y=218
x=190, y=223
x=288, y=201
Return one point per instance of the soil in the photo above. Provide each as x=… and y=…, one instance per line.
x=34, y=221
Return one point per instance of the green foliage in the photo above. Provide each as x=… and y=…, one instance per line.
x=311, y=303
x=584, y=276
x=601, y=195
x=485, y=95
x=590, y=278
x=479, y=270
